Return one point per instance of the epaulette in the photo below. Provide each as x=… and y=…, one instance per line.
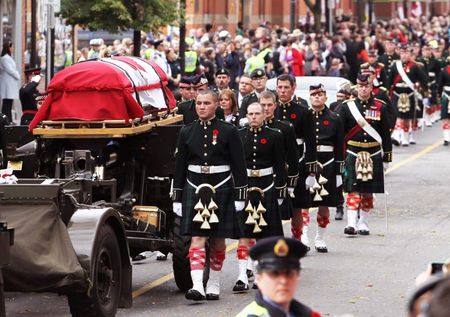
x=273, y=129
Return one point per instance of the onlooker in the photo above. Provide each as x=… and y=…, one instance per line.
x=227, y=101
x=9, y=80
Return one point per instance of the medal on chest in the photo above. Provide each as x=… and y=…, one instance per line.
x=373, y=114
x=214, y=136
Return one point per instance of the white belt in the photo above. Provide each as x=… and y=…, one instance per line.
x=447, y=88
x=328, y=162
x=325, y=148
x=402, y=85
x=354, y=154
x=200, y=169
x=260, y=173
x=300, y=141
x=431, y=74
x=215, y=187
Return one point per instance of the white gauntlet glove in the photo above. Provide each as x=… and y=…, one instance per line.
x=239, y=205
x=338, y=180
x=310, y=181
x=177, y=209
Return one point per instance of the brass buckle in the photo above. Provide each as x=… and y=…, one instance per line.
x=254, y=173
x=204, y=169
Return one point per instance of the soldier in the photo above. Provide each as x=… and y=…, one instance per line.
x=222, y=80
x=259, y=80
x=368, y=145
x=439, y=68
x=278, y=276
x=429, y=66
x=330, y=156
x=28, y=94
x=408, y=86
x=389, y=56
x=266, y=171
x=210, y=185
x=187, y=89
x=187, y=108
x=292, y=109
x=443, y=90
x=380, y=72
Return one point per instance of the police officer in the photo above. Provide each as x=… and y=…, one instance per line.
x=259, y=80
x=368, y=145
x=278, y=276
x=28, y=95
x=443, y=90
x=210, y=185
x=191, y=60
x=222, y=80
x=187, y=108
x=266, y=171
x=408, y=85
x=329, y=135
x=292, y=109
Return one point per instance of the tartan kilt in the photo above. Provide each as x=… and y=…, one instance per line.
x=329, y=172
x=228, y=226
x=302, y=197
x=445, y=103
x=351, y=184
x=286, y=208
x=271, y=216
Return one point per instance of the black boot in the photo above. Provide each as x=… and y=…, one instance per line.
x=193, y=294
x=339, y=213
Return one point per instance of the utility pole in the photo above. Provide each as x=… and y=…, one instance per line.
x=33, y=48
x=292, y=14
x=182, y=35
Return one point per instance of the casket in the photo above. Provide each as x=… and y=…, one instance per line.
x=117, y=88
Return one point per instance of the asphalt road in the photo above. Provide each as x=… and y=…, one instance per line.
x=360, y=276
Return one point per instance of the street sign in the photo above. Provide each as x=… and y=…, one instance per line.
x=56, y=4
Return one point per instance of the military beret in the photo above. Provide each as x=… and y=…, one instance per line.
x=186, y=82
x=344, y=92
x=222, y=71
x=363, y=79
x=278, y=253
x=257, y=73
x=314, y=89
x=367, y=68
x=199, y=80
x=372, y=52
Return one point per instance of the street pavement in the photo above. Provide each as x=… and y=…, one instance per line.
x=360, y=276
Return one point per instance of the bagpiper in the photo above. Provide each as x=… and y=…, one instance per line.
x=368, y=145
x=291, y=109
x=444, y=93
x=210, y=185
x=266, y=172
x=329, y=135
x=408, y=86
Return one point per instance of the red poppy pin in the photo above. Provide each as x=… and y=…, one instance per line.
x=215, y=132
x=263, y=141
x=326, y=122
x=293, y=116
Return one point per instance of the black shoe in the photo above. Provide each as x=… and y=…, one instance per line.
x=339, y=213
x=395, y=142
x=211, y=296
x=255, y=286
x=405, y=144
x=364, y=232
x=192, y=294
x=350, y=230
x=322, y=249
x=446, y=143
x=249, y=274
x=139, y=257
x=162, y=257
x=240, y=287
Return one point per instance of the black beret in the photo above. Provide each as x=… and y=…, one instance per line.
x=199, y=80
x=372, y=52
x=222, y=71
x=363, y=79
x=185, y=81
x=278, y=253
x=257, y=73
x=314, y=89
x=34, y=71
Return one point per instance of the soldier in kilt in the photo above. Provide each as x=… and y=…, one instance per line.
x=329, y=135
x=444, y=93
x=210, y=185
x=266, y=171
x=407, y=99
x=368, y=145
x=291, y=109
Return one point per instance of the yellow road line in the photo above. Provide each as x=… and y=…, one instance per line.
x=233, y=245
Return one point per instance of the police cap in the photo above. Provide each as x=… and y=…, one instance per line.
x=185, y=82
x=222, y=71
x=278, y=253
x=257, y=73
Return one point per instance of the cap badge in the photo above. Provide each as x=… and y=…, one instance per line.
x=281, y=248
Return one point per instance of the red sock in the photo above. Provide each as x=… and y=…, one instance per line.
x=216, y=260
x=197, y=258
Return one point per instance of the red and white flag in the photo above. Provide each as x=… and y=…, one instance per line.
x=416, y=9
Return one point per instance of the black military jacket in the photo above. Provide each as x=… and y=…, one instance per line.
x=209, y=143
x=187, y=109
x=443, y=80
x=264, y=148
x=383, y=94
x=387, y=61
x=415, y=74
x=375, y=113
x=28, y=94
x=301, y=119
x=290, y=148
x=247, y=101
x=329, y=131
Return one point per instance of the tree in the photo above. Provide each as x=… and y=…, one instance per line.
x=316, y=9
x=120, y=15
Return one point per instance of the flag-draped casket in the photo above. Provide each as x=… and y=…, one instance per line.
x=117, y=88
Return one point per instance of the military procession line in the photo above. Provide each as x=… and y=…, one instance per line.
x=249, y=159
